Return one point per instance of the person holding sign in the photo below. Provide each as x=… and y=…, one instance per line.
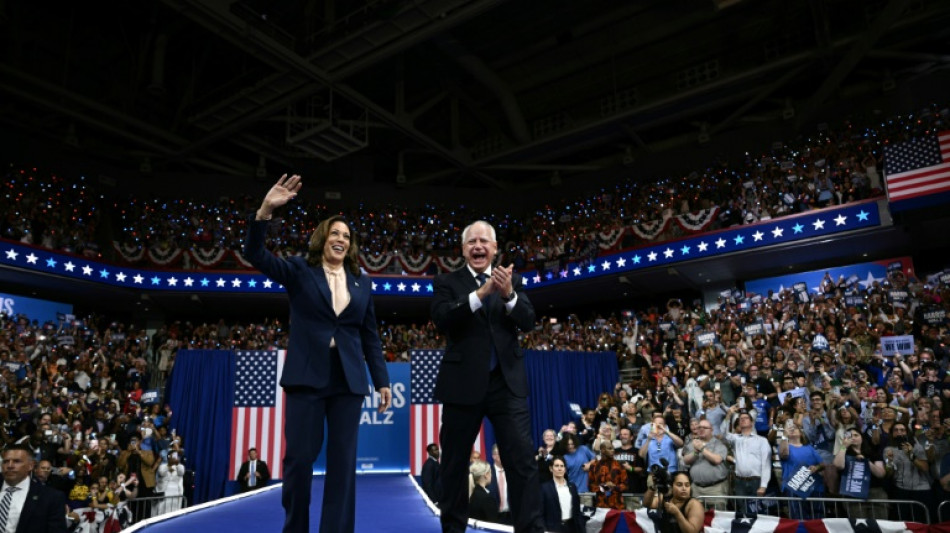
x=800, y=466
x=862, y=474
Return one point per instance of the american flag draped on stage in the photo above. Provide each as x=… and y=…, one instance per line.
x=918, y=167
x=425, y=416
x=258, y=410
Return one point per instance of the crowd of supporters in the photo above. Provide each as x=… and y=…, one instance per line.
x=74, y=392
x=835, y=165
x=813, y=376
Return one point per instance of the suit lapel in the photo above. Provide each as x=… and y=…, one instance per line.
x=323, y=287
x=29, y=506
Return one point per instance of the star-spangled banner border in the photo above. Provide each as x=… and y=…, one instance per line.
x=737, y=239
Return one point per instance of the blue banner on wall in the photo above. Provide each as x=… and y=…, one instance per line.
x=34, y=309
x=384, y=437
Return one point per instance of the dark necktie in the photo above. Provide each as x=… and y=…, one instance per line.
x=482, y=277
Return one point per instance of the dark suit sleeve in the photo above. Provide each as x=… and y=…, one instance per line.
x=449, y=310
x=56, y=511
x=373, y=347
x=277, y=269
x=242, y=472
x=265, y=472
x=523, y=312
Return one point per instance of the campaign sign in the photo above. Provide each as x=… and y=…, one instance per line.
x=802, y=483
x=383, y=444
x=896, y=296
x=705, y=339
x=895, y=266
x=754, y=329
x=935, y=317
x=854, y=301
x=856, y=481
x=149, y=397
x=897, y=344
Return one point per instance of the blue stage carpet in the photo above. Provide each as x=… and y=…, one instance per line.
x=384, y=503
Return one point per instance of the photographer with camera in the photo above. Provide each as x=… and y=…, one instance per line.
x=676, y=511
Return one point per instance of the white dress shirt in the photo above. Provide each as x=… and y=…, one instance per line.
x=16, y=504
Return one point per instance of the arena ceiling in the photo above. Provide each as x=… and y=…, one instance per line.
x=502, y=94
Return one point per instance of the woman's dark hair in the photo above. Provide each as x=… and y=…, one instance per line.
x=319, y=240
x=557, y=458
x=680, y=473
x=560, y=449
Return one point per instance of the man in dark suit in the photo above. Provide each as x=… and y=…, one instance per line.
x=480, y=310
x=430, y=473
x=25, y=505
x=253, y=473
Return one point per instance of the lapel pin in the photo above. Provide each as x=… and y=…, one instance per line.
x=355, y=283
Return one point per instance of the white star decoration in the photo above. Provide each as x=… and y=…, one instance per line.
x=651, y=256
x=137, y=279
x=721, y=243
x=668, y=253
x=173, y=281
x=819, y=224
x=69, y=266
x=702, y=246
x=605, y=265
x=840, y=220
x=189, y=282
x=87, y=270
x=120, y=277
x=621, y=262
x=268, y=283
x=11, y=255
x=31, y=259
x=777, y=232
x=757, y=236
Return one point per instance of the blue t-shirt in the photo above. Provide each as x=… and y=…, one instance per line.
x=665, y=450
x=762, y=408
x=799, y=456
x=575, y=465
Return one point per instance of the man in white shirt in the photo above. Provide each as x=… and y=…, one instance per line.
x=25, y=506
x=499, y=487
x=753, y=459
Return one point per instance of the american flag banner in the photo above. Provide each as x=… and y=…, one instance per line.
x=917, y=167
x=257, y=419
x=425, y=414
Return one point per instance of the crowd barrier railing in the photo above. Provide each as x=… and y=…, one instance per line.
x=798, y=508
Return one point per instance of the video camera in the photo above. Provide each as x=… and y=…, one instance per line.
x=662, y=481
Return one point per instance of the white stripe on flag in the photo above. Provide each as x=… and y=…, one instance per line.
x=239, y=442
x=277, y=451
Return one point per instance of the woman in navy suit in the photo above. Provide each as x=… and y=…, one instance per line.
x=557, y=495
x=333, y=337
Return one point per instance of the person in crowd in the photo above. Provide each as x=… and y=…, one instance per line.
x=801, y=467
x=545, y=454
x=818, y=429
x=907, y=462
x=27, y=506
x=333, y=339
x=481, y=505
x=607, y=479
x=681, y=513
x=481, y=308
x=498, y=488
x=431, y=484
x=659, y=445
x=561, y=501
x=705, y=457
x=753, y=456
x=253, y=473
x=629, y=458
x=577, y=457
x=862, y=476
x=170, y=480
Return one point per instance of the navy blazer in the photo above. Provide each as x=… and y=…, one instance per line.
x=551, y=508
x=463, y=374
x=314, y=323
x=44, y=511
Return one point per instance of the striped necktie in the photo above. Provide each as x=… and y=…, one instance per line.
x=5, y=506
